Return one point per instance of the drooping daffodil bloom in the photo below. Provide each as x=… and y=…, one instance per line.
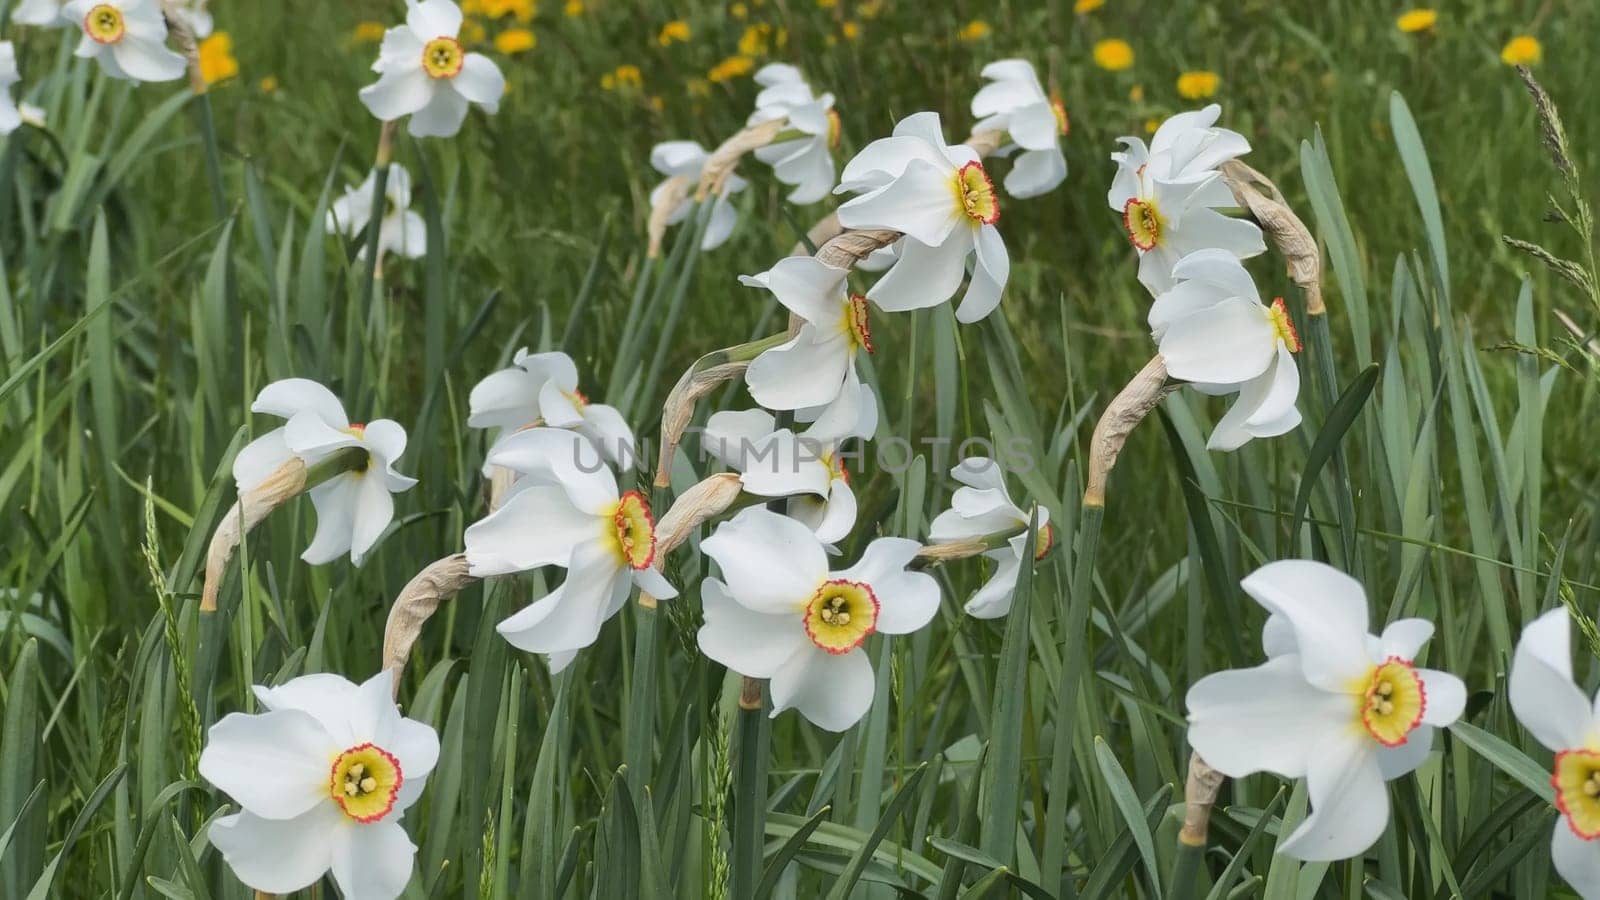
x=10, y=116
x=941, y=226
x=542, y=388
x=681, y=162
x=322, y=778
x=402, y=230
x=353, y=507
x=776, y=462
x=566, y=511
x=939, y=196
x=778, y=613
x=127, y=37
x=424, y=72
x=1344, y=709
x=1214, y=330
x=981, y=508
x=1555, y=711
x=817, y=367
x=806, y=160
x=1168, y=195
x=1016, y=103
x=44, y=13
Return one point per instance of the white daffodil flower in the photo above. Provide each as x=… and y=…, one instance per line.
x=353, y=508
x=776, y=462
x=1015, y=102
x=424, y=72
x=778, y=613
x=1555, y=711
x=402, y=231
x=1344, y=709
x=44, y=13
x=1214, y=330
x=1168, y=195
x=684, y=160
x=941, y=198
x=322, y=779
x=10, y=115
x=817, y=367
x=804, y=162
x=981, y=508
x=543, y=388
x=127, y=37
x=565, y=511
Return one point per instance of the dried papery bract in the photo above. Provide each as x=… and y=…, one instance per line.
x=417, y=603
x=1125, y=412
x=673, y=193
x=694, y=507
x=283, y=485
x=1256, y=193
x=1199, y=796
x=723, y=160
x=183, y=35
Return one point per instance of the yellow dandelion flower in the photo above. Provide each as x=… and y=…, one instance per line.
x=698, y=87
x=1414, y=20
x=976, y=30
x=657, y=104
x=1522, y=50
x=269, y=84
x=473, y=7
x=572, y=9
x=1197, y=85
x=1136, y=94
x=850, y=30
x=676, y=30
x=216, y=58
x=368, y=33
x=781, y=38
x=730, y=68
x=515, y=40
x=524, y=10
x=739, y=11
x=1087, y=6
x=1150, y=125
x=1113, y=54
x=473, y=32
x=869, y=9
x=755, y=40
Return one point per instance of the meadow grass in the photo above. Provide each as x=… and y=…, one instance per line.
x=1040, y=755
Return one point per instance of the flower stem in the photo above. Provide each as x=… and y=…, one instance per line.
x=208, y=133
x=380, y=187
x=640, y=736
x=750, y=790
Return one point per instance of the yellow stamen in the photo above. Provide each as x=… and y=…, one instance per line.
x=364, y=782
x=975, y=194
x=1391, y=701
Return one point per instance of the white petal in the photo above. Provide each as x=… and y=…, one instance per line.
x=1263, y=719
x=920, y=203
x=1229, y=343
x=1349, y=802
x=372, y=862
x=1543, y=695
x=1034, y=126
x=1220, y=269
x=770, y=563
x=278, y=856
x=293, y=395
x=652, y=582
x=989, y=277
x=837, y=514
x=260, y=458
x=374, y=511
x=1277, y=637
x=569, y=617
x=398, y=93
x=1328, y=610
x=480, y=82
x=842, y=415
x=554, y=456
x=807, y=287
x=906, y=600
x=730, y=435
x=883, y=160
x=1035, y=173
x=327, y=697
x=678, y=158
x=993, y=599
x=750, y=643
x=557, y=406
x=274, y=765
x=1203, y=228
x=148, y=60
x=720, y=226
x=311, y=438
x=441, y=117
x=605, y=426
x=806, y=371
x=430, y=19
x=335, y=501
x=1577, y=860
x=1395, y=762
x=924, y=276
x=783, y=465
x=833, y=692
x=508, y=398
x=537, y=526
